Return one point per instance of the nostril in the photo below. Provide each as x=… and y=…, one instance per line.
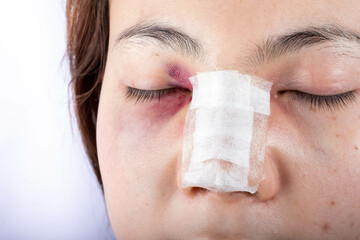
x=189, y=191
x=198, y=191
x=238, y=194
x=195, y=191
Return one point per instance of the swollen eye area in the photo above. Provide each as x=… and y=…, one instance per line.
x=142, y=95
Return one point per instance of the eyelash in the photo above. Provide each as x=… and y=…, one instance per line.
x=333, y=102
x=141, y=95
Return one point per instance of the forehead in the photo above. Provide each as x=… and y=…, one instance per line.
x=229, y=26
x=224, y=27
x=246, y=16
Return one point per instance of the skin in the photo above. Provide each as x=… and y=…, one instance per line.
x=310, y=186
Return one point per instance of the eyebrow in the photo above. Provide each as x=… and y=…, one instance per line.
x=277, y=46
x=272, y=48
x=166, y=36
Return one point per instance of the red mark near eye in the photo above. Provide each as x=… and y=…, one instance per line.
x=356, y=147
x=180, y=75
x=169, y=105
x=325, y=227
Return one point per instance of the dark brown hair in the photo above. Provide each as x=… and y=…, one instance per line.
x=87, y=44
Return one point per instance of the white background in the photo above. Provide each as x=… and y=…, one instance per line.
x=47, y=188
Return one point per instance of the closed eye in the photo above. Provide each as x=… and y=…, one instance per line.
x=142, y=95
x=330, y=102
x=320, y=102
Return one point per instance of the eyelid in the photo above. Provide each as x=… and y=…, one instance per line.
x=321, y=102
x=144, y=95
x=325, y=102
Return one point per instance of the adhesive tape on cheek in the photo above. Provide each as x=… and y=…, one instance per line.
x=225, y=132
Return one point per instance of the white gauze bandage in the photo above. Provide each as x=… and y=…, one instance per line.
x=225, y=132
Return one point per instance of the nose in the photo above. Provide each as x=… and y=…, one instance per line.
x=225, y=136
x=267, y=190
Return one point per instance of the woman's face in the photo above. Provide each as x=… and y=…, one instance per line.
x=308, y=49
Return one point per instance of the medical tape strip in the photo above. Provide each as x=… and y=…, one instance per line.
x=223, y=106
x=224, y=98
x=229, y=100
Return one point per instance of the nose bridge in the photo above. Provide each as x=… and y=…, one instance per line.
x=225, y=130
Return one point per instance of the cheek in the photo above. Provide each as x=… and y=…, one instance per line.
x=138, y=146
x=151, y=120
x=337, y=203
x=319, y=162
x=129, y=130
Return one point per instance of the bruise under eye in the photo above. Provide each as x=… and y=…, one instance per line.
x=161, y=104
x=141, y=95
